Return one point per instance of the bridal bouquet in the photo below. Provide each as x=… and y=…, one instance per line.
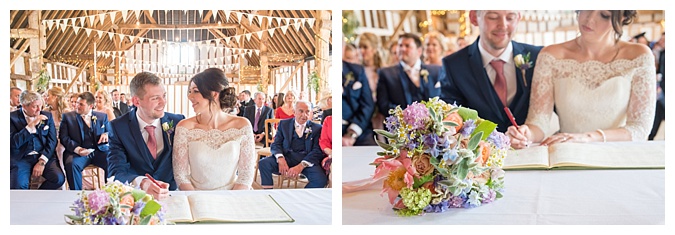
x=116, y=204
x=439, y=156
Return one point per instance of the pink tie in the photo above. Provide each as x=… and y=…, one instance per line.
x=152, y=143
x=500, y=80
x=257, y=117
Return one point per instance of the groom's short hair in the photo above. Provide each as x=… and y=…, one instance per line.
x=137, y=85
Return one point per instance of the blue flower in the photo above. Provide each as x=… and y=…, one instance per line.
x=391, y=123
x=469, y=126
x=500, y=140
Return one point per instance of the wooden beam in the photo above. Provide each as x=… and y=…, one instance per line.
x=399, y=27
x=18, y=53
x=77, y=75
x=282, y=64
x=288, y=80
x=20, y=77
x=178, y=26
x=24, y=33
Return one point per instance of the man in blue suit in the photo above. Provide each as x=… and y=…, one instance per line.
x=84, y=134
x=410, y=80
x=32, y=144
x=357, y=106
x=472, y=80
x=295, y=150
x=141, y=140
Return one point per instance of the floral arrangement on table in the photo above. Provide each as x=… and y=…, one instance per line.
x=116, y=204
x=439, y=156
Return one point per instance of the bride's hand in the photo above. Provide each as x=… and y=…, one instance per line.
x=565, y=137
x=520, y=137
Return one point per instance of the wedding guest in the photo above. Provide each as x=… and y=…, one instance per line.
x=451, y=47
x=326, y=144
x=392, y=57
x=14, y=103
x=286, y=109
x=57, y=107
x=350, y=53
x=434, y=48
x=84, y=134
x=326, y=105
x=462, y=43
x=295, y=150
x=640, y=38
x=73, y=100
x=256, y=115
x=140, y=142
x=621, y=86
x=409, y=81
x=103, y=104
x=484, y=77
x=246, y=101
x=279, y=100
x=32, y=144
x=214, y=150
x=660, y=113
x=373, y=60
x=119, y=107
x=357, y=106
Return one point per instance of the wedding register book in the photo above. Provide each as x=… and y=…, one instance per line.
x=609, y=155
x=222, y=208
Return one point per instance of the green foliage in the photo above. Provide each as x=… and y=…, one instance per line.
x=43, y=81
x=314, y=82
x=349, y=25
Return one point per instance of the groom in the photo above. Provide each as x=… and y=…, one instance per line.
x=141, y=140
x=473, y=80
x=295, y=150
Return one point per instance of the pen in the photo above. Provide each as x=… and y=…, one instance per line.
x=511, y=118
x=153, y=180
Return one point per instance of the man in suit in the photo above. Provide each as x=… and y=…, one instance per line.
x=295, y=150
x=32, y=145
x=257, y=114
x=14, y=103
x=473, y=80
x=84, y=134
x=246, y=101
x=410, y=80
x=357, y=106
x=141, y=140
x=660, y=113
x=119, y=107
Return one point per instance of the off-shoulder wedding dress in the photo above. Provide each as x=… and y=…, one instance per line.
x=593, y=95
x=214, y=159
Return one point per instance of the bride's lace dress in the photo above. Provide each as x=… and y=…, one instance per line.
x=214, y=159
x=594, y=95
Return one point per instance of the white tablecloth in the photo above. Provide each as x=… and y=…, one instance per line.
x=530, y=197
x=45, y=207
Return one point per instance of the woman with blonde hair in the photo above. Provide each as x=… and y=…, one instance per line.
x=57, y=105
x=104, y=104
x=286, y=109
x=434, y=48
x=372, y=60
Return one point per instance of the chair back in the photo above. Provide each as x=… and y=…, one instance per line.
x=270, y=130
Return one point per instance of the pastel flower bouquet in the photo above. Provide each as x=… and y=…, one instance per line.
x=439, y=156
x=116, y=204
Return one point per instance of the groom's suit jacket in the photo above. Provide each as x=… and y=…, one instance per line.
x=466, y=83
x=284, y=137
x=129, y=156
x=393, y=87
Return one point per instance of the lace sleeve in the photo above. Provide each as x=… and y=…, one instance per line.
x=181, y=163
x=641, y=106
x=541, y=97
x=247, y=158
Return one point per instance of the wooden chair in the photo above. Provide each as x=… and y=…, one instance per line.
x=270, y=132
x=96, y=176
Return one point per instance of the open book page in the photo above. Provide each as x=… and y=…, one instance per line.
x=236, y=208
x=178, y=209
x=534, y=157
x=644, y=154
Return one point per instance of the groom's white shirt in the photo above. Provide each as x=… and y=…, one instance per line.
x=158, y=137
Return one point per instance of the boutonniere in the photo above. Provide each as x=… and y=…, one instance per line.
x=349, y=77
x=308, y=131
x=42, y=123
x=425, y=74
x=168, y=127
x=93, y=119
x=523, y=63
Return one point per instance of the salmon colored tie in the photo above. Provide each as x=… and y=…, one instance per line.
x=500, y=80
x=152, y=143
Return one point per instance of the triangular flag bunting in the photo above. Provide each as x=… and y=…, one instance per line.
x=199, y=14
x=82, y=21
x=138, y=14
x=131, y=38
x=88, y=31
x=91, y=20
x=76, y=29
x=284, y=28
x=227, y=16
x=124, y=15
x=238, y=37
x=248, y=36
x=249, y=53
x=99, y=33
x=271, y=31
x=297, y=26
x=311, y=22
x=214, y=14
x=72, y=21
x=227, y=40
x=101, y=18
x=50, y=23
x=250, y=19
x=260, y=34
x=63, y=28
x=65, y=21
x=260, y=18
x=110, y=35
x=239, y=14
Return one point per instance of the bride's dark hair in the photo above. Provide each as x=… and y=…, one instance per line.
x=619, y=19
x=214, y=79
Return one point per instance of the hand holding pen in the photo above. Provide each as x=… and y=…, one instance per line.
x=519, y=135
x=157, y=189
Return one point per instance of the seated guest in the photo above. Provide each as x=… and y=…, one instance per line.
x=295, y=150
x=119, y=106
x=32, y=145
x=257, y=114
x=285, y=110
x=245, y=101
x=357, y=106
x=84, y=133
x=410, y=80
x=14, y=103
x=325, y=142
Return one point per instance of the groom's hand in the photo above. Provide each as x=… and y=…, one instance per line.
x=159, y=192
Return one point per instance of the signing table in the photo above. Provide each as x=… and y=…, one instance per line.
x=43, y=207
x=531, y=197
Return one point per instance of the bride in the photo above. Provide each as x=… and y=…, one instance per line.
x=213, y=150
x=603, y=89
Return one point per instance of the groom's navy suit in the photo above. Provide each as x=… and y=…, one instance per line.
x=26, y=148
x=466, y=83
x=295, y=149
x=129, y=156
x=395, y=88
x=74, y=133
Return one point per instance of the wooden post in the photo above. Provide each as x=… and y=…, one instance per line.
x=264, y=69
x=35, y=51
x=322, y=55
